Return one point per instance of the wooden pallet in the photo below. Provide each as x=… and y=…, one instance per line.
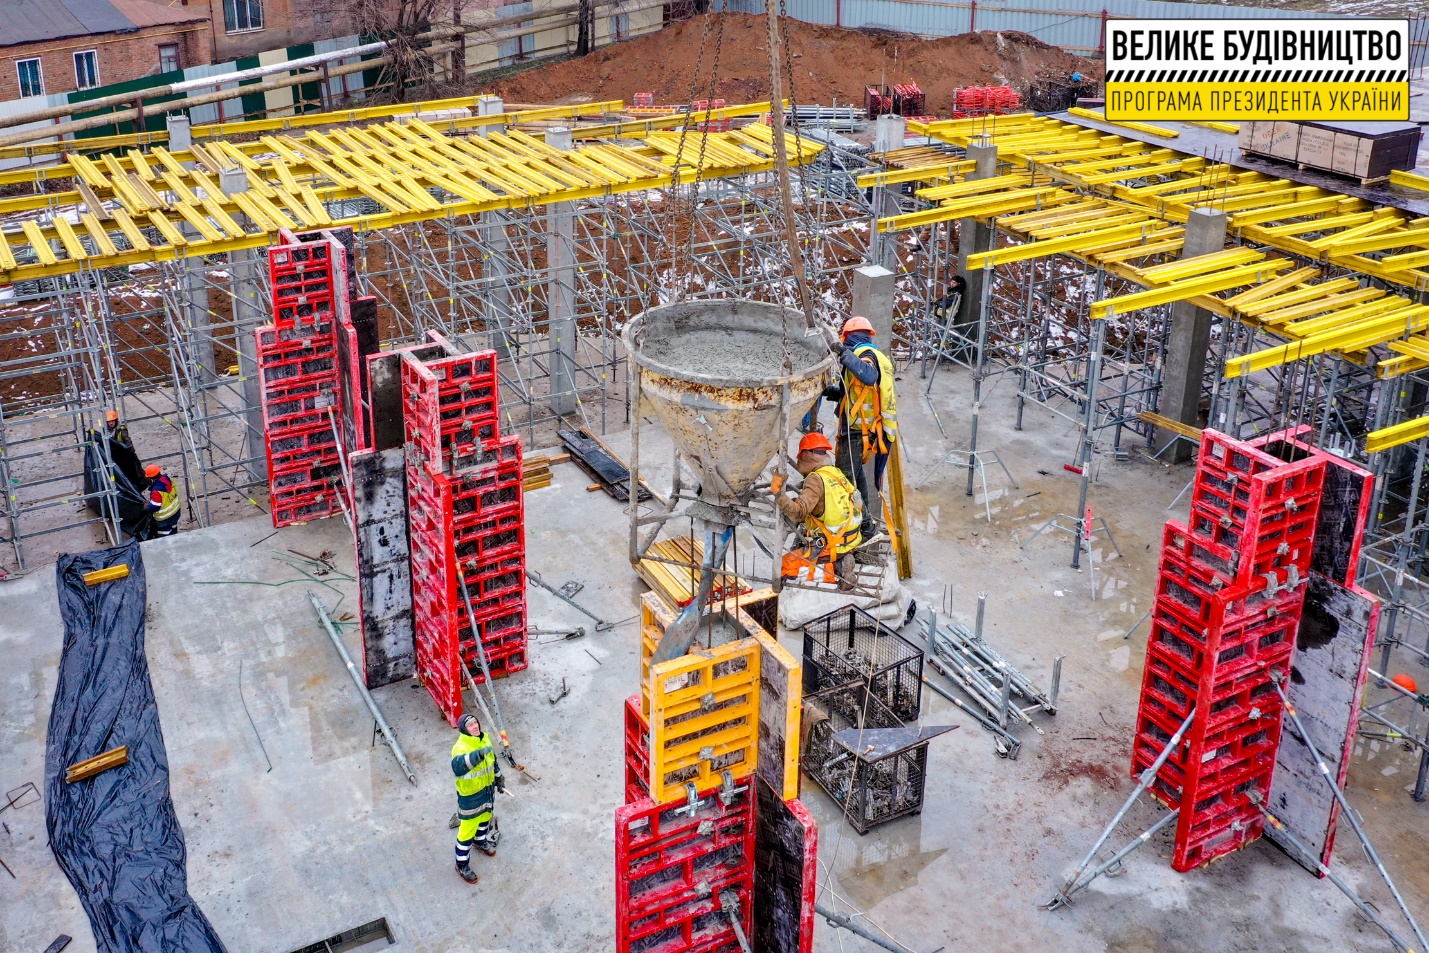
x=677, y=584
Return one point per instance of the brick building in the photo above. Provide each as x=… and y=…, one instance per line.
x=249, y=27
x=59, y=46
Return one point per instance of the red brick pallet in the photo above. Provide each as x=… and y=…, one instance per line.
x=672, y=867
x=1229, y=595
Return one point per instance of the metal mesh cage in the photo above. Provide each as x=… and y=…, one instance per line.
x=871, y=792
x=850, y=644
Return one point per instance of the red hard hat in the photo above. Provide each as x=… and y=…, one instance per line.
x=112, y=416
x=152, y=470
x=815, y=442
x=856, y=323
x=1406, y=683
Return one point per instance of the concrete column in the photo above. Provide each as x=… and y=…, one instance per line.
x=245, y=269
x=180, y=138
x=489, y=106
x=873, y=287
x=889, y=133
x=1190, y=338
x=974, y=237
x=561, y=289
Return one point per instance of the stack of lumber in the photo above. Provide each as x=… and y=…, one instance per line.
x=677, y=584
x=536, y=471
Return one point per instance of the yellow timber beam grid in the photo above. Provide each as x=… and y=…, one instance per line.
x=1111, y=201
x=157, y=205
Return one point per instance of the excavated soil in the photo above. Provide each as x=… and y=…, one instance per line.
x=829, y=64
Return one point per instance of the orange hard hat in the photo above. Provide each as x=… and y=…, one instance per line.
x=815, y=442
x=856, y=323
x=152, y=470
x=112, y=416
x=1406, y=683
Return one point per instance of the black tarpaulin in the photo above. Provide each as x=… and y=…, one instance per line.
x=123, y=471
x=116, y=835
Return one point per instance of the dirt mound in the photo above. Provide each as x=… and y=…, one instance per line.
x=828, y=63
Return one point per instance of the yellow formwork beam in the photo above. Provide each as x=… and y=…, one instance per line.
x=1200, y=265
x=1068, y=243
x=942, y=172
x=1397, y=435
x=1364, y=335
x=1146, y=127
x=1330, y=203
x=1409, y=180
x=975, y=187
x=1189, y=288
x=1407, y=238
x=1311, y=301
x=1272, y=287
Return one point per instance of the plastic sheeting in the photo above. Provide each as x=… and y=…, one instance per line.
x=116, y=835
x=123, y=471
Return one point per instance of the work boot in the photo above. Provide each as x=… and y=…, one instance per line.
x=467, y=873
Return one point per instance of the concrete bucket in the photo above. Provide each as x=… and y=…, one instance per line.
x=714, y=374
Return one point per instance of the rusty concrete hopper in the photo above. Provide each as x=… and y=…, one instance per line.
x=728, y=379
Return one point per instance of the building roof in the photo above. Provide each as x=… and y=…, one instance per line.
x=37, y=21
x=158, y=12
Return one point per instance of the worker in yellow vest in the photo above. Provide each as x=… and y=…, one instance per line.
x=162, y=501
x=828, y=505
x=868, y=415
x=478, y=779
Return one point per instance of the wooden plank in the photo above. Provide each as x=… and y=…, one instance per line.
x=110, y=574
x=88, y=768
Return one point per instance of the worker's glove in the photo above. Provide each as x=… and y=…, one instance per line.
x=837, y=347
x=500, y=784
x=776, y=483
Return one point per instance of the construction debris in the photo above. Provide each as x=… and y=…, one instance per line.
x=89, y=767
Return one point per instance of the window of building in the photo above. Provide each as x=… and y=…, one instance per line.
x=168, y=57
x=241, y=15
x=32, y=81
x=86, y=69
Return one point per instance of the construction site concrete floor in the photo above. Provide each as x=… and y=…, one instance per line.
x=334, y=836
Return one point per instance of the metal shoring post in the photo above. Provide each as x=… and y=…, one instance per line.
x=1402, y=558
x=1329, y=399
x=1275, y=679
x=978, y=361
x=1384, y=409
x=633, y=388
x=1026, y=343
x=1084, y=457
x=1072, y=885
x=362, y=688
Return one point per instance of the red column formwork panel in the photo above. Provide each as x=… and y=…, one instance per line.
x=672, y=866
x=637, y=752
x=466, y=517
x=1229, y=597
x=298, y=380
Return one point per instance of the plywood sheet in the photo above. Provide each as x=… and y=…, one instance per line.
x=1326, y=683
x=781, y=700
x=786, y=852
x=384, y=569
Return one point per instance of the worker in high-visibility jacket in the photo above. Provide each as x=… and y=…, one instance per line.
x=829, y=506
x=868, y=415
x=162, y=502
x=478, y=779
x=117, y=431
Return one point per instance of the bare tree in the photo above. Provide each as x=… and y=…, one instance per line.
x=410, y=67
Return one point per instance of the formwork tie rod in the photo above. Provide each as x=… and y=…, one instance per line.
x=382, y=725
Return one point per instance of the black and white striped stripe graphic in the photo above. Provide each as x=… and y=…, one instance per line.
x=1257, y=76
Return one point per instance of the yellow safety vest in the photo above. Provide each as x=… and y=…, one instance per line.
x=841, y=524
x=168, y=504
x=475, y=776
x=872, y=408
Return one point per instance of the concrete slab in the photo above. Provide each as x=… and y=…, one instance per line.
x=334, y=836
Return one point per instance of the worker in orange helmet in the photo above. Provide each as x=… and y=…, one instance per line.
x=162, y=502
x=829, y=506
x=868, y=414
x=114, y=429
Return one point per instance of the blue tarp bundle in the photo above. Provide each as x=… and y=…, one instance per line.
x=116, y=835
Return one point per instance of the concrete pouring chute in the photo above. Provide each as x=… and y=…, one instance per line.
x=727, y=379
